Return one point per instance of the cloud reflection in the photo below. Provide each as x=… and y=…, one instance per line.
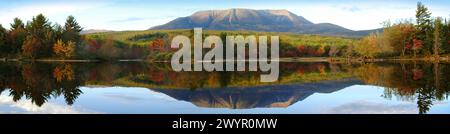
x=367, y=107
x=7, y=105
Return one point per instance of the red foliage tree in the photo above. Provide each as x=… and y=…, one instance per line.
x=417, y=44
x=290, y=53
x=408, y=45
x=301, y=50
x=157, y=44
x=93, y=45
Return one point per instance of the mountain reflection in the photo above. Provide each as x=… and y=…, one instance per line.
x=423, y=83
x=258, y=96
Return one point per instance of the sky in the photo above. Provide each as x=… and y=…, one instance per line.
x=143, y=14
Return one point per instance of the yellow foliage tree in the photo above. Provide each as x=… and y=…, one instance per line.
x=64, y=50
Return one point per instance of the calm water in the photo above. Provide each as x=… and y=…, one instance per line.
x=153, y=88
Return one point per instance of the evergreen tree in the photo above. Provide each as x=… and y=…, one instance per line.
x=437, y=34
x=71, y=30
x=3, y=44
x=40, y=38
x=16, y=36
x=446, y=39
x=58, y=31
x=423, y=25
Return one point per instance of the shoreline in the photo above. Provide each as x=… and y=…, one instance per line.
x=283, y=59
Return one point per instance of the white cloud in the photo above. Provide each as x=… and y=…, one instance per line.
x=27, y=107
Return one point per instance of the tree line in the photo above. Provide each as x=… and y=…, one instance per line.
x=426, y=37
x=39, y=38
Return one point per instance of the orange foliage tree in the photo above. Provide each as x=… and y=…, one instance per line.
x=31, y=46
x=157, y=44
x=64, y=50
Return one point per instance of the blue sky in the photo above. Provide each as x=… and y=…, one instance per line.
x=143, y=14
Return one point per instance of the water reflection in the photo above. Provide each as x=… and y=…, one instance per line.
x=37, y=83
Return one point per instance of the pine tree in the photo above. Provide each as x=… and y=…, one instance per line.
x=446, y=39
x=438, y=25
x=16, y=36
x=71, y=30
x=3, y=44
x=40, y=36
x=423, y=25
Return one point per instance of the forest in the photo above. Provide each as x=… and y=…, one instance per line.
x=422, y=37
x=40, y=38
x=426, y=37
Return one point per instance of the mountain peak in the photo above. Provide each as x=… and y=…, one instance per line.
x=280, y=12
x=280, y=20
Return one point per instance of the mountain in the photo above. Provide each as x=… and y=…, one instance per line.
x=89, y=31
x=258, y=20
x=257, y=96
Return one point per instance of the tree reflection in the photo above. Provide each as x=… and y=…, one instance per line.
x=420, y=82
x=423, y=83
x=39, y=82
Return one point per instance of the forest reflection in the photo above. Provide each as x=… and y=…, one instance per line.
x=423, y=83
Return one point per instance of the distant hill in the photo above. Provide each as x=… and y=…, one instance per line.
x=258, y=20
x=89, y=31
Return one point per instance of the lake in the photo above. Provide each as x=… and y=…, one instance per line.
x=146, y=88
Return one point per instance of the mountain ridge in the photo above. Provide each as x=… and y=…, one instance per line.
x=258, y=20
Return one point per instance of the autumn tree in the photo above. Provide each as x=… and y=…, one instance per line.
x=333, y=51
x=108, y=50
x=64, y=50
x=157, y=44
x=417, y=45
x=320, y=51
x=399, y=36
x=349, y=50
x=31, y=47
x=370, y=46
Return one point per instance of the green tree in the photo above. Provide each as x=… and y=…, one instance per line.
x=40, y=37
x=3, y=44
x=438, y=30
x=71, y=30
x=446, y=39
x=16, y=36
x=58, y=30
x=423, y=25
